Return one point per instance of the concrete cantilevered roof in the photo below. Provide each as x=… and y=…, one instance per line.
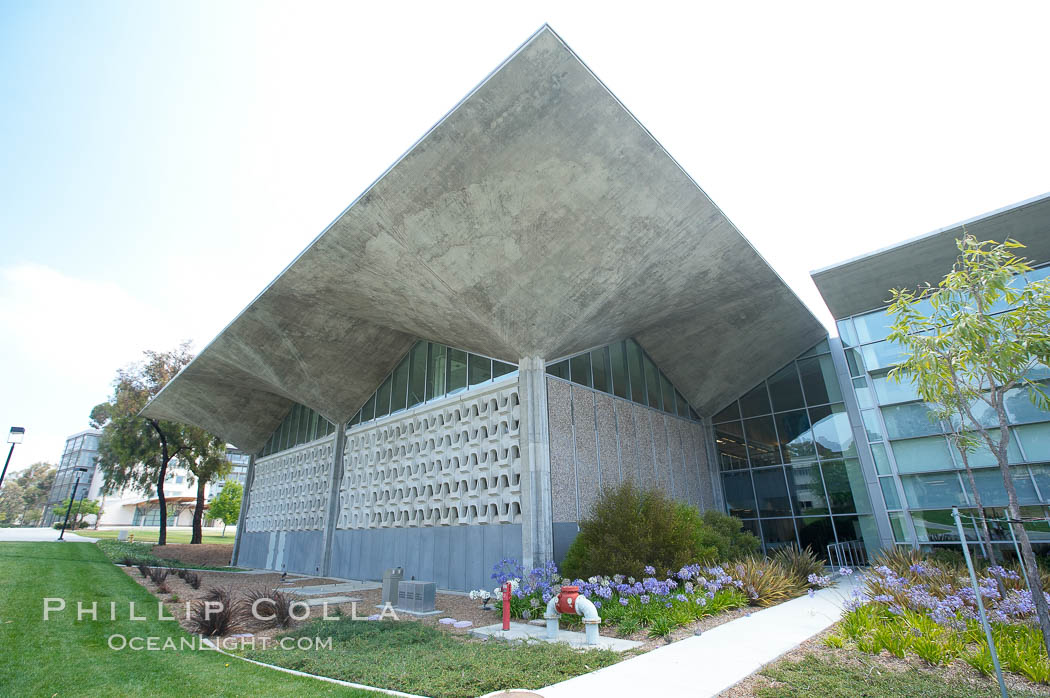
x=537, y=218
x=863, y=283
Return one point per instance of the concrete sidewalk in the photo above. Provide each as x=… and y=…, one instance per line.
x=39, y=535
x=707, y=665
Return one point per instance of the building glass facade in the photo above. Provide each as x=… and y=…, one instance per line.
x=81, y=451
x=788, y=459
x=920, y=473
x=624, y=369
x=429, y=371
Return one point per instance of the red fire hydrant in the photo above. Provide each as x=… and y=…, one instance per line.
x=567, y=599
x=570, y=601
x=506, y=606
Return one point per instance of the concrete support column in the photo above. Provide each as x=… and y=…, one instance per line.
x=246, y=496
x=332, y=512
x=537, y=519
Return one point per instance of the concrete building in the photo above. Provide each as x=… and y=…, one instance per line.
x=533, y=303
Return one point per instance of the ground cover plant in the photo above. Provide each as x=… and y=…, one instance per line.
x=830, y=677
x=918, y=607
x=66, y=657
x=416, y=658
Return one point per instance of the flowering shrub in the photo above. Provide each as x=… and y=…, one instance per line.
x=629, y=604
x=916, y=606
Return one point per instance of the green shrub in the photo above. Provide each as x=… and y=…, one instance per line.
x=726, y=533
x=629, y=528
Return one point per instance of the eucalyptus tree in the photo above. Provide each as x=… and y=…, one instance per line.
x=135, y=451
x=974, y=342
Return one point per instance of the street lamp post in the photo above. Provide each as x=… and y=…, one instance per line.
x=76, y=486
x=15, y=437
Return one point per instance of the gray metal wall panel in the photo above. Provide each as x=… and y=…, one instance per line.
x=460, y=557
x=254, y=549
x=303, y=551
x=475, y=554
x=457, y=565
x=564, y=534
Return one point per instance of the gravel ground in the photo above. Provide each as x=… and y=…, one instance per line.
x=458, y=606
x=455, y=606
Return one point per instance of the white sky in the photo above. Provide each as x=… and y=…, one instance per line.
x=161, y=162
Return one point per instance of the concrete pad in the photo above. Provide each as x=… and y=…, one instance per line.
x=342, y=587
x=399, y=611
x=330, y=600
x=708, y=664
x=523, y=632
x=39, y=535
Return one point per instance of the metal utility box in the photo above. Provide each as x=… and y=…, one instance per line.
x=416, y=596
x=391, y=578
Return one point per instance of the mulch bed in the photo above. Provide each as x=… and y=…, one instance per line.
x=210, y=554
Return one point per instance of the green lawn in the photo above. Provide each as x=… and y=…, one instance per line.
x=67, y=657
x=824, y=676
x=150, y=534
x=421, y=659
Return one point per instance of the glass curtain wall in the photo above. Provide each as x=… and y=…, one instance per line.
x=428, y=372
x=624, y=369
x=301, y=425
x=921, y=474
x=788, y=460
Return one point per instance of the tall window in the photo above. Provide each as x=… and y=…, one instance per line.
x=625, y=370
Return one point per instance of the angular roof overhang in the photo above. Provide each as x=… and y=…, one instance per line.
x=863, y=283
x=537, y=218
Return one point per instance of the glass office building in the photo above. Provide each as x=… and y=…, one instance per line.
x=81, y=451
x=788, y=459
x=920, y=473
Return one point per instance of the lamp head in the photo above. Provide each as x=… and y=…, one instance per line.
x=16, y=435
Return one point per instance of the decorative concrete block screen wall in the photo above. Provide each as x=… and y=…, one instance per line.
x=435, y=489
x=287, y=508
x=598, y=440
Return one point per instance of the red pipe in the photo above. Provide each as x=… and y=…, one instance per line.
x=506, y=606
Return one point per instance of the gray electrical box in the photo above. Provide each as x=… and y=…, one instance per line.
x=391, y=578
x=416, y=596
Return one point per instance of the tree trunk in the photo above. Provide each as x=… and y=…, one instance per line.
x=162, y=537
x=198, y=513
x=980, y=507
x=1035, y=581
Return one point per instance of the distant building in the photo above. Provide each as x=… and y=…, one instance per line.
x=131, y=507
x=81, y=451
